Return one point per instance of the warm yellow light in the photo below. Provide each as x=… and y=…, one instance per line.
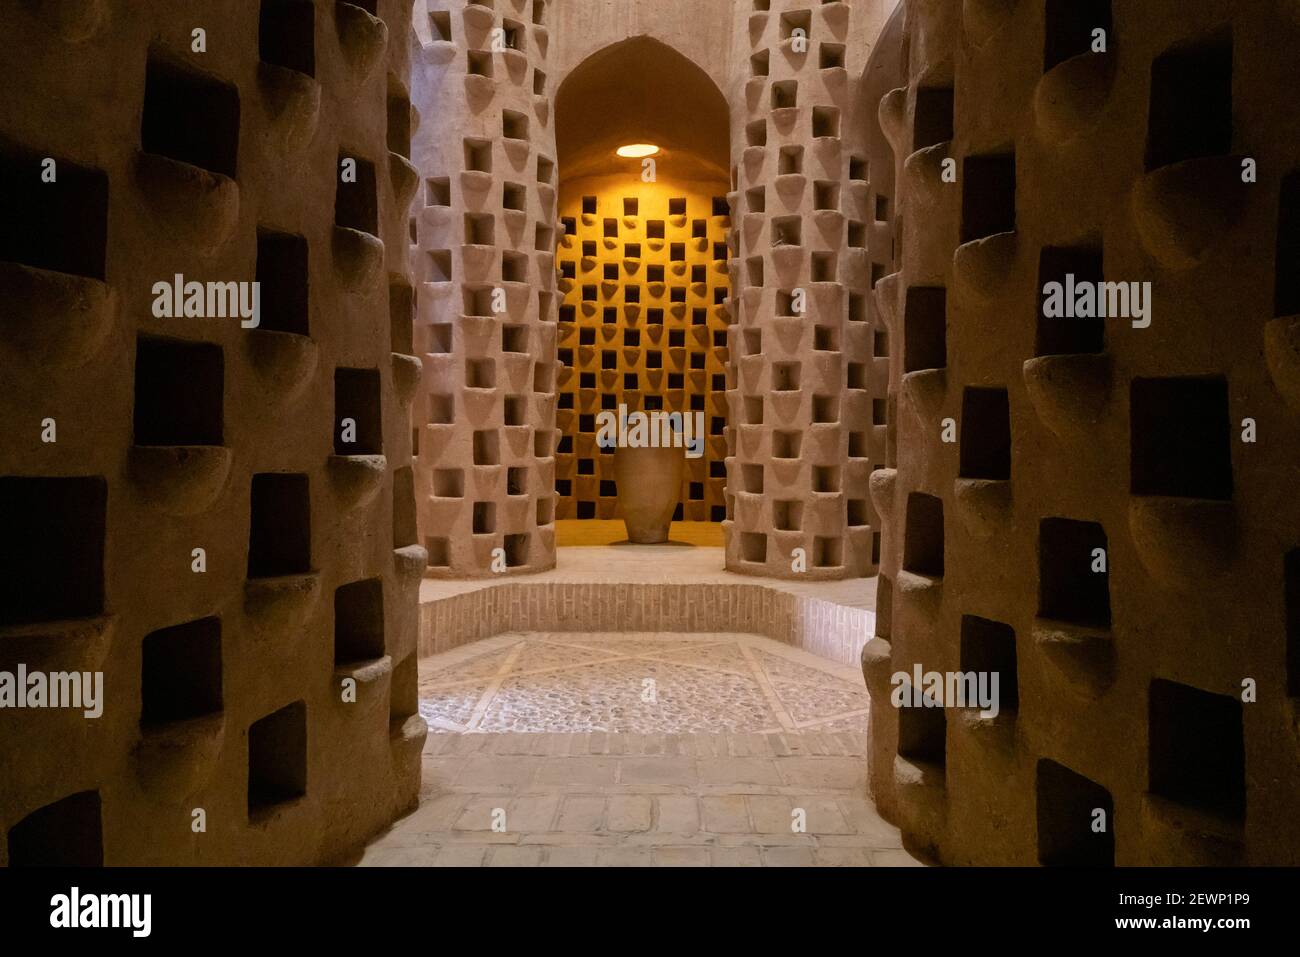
x=637, y=150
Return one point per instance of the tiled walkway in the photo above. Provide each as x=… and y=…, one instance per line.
x=630, y=749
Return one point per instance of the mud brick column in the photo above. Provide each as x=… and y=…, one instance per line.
x=180, y=508
x=483, y=259
x=801, y=347
x=1111, y=526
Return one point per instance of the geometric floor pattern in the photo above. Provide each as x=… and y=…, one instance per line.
x=665, y=683
x=640, y=750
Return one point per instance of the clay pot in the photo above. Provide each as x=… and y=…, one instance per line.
x=649, y=483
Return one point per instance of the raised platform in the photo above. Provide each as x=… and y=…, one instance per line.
x=650, y=588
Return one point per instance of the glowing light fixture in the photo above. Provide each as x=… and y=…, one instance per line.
x=637, y=150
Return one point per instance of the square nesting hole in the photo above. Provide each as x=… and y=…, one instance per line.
x=514, y=196
x=922, y=731
x=787, y=516
x=753, y=547
x=439, y=261
x=52, y=548
x=825, y=408
x=988, y=197
x=515, y=410
x=356, y=201
x=358, y=422
x=60, y=226
x=399, y=119
x=787, y=231
x=985, y=434
x=279, y=528
x=1180, y=437
x=825, y=121
x=514, y=338
x=827, y=552
x=180, y=672
x=516, y=549
x=823, y=267
x=1061, y=270
x=830, y=56
x=277, y=758
x=545, y=511
x=442, y=409
x=487, y=447
x=66, y=833
x=179, y=392
x=401, y=317
x=785, y=444
x=932, y=120
x=1196, y=751
x=1190, y=111
x=359, y=621
x=925, y=329
x=1068, y=27
x=796, y=23
x=282, y=274
x=437, y=191
x=440, y=26
x=826, y=478
x=448, y=483
x=477, y=155
x=514, y=125
x=1070, y=810
x=513, y=34
x=1073, y=577
x=190, y=116
x=478, y=63
x=785, y=377
x=923, y=535
x=404, y=517
x=989, y=648
x=440, y=338
x=480, y=229
x=857, y=515
x=480, y=373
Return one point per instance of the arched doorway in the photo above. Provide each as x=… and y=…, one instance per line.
x=643, y=284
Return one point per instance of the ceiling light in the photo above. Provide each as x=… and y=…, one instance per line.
x=637, y=150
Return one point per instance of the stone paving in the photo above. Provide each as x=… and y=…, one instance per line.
x=751, y=753
x=648, y=683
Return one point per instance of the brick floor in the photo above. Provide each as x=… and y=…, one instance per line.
x=679, y=805
x=752, y=754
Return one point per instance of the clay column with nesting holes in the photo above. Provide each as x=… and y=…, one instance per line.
x=1110, y=527
x=220, y=517
x=482, y=253
x=800, y=366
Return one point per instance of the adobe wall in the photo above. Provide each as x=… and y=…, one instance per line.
x=224, y=670
x=1109, y=522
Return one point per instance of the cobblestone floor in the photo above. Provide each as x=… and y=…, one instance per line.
x=750, y=754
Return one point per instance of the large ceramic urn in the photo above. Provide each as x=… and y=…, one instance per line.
x=649, y=483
